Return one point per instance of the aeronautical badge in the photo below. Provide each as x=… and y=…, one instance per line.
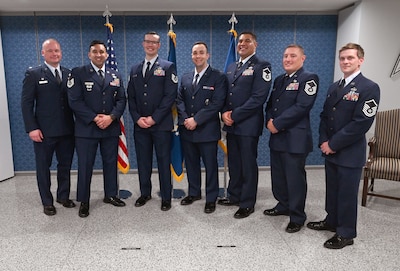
x=174, y=78
x=70, y=82
x=310, y=87
x=370, y=107
x=266, y=75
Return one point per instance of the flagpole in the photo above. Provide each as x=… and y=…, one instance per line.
x=111, y=63
x=176, y=193
x=229, y=60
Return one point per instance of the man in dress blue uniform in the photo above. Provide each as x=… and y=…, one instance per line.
x=348, y=113
x=201, y=97
x=97, y=97
x=249, y=85
x=288, y=119
x=49, y=122
x=152, y=90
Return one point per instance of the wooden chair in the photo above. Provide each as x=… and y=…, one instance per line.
x=383, y=160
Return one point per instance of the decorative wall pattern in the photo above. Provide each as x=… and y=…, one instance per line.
x=22, y=37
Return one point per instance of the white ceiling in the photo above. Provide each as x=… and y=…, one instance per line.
x=173, y=6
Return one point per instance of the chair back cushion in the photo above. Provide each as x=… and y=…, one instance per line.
x=387, y=134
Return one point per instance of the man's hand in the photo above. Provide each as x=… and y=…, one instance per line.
x=103, y=121
x=271, y=126
x=326, y=149
x=36, y=135
x=227, y=118
x=190, y=123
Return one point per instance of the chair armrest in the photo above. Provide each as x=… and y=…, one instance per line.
x=371, y=154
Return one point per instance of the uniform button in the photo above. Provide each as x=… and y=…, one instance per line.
x=104, y=111
x=331, y=129
x=191, y=106
x=230, y=103
x=192, y=115
x=145, y=94
x=231, y=94
x=277, y=100
x=145, y=85
x=192, y=97
x=275, y=109
x=145, y=103
x=233, y=85
x=104, y=102
x=334, y=109
x=332, y=118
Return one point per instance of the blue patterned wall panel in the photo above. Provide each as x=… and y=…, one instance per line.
x=316, y=33
x=20, y=51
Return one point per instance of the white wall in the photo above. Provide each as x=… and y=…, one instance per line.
x=374, y=25
x=6, y=158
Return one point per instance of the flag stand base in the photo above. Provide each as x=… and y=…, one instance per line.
x=176, y=193
x=124, y=194
x=222, y=193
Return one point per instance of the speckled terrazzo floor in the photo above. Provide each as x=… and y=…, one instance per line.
x=185, y=238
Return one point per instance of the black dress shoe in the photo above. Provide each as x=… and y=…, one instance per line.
x=293, y=227
x=189, y=200
x=243, y=212
x=320, y=226
x=49, y=210
x=275, y=212
x=165, y=205
x=84, y=209
x=142, y=200
x=114, y=201
x=209, y=208
x=67, y=203
x=338, y=242
x=227, y=202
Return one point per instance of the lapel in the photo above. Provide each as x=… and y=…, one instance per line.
x=65, y=75
x=154, y=67
x=250, y=63
x=202, y=79
x=95, y=77
x=286, y=81
x=48, y=74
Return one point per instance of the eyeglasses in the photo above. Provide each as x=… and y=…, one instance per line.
x=151, y=42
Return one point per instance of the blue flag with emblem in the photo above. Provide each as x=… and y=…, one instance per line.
x=230, y=58
x=176, y=148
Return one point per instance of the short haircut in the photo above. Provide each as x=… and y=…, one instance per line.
x=249, y=33
x=360, y=50
x=199, y=43
x=152, y=33
x=293, y=45
x=95, y=42
x=48, y=41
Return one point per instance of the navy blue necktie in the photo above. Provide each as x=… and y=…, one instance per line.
x=147, y=73
x=58, y=78
x=195, y=82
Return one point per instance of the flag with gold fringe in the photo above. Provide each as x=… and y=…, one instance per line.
x=230, y=58
x=123, y=160
x=176, y=148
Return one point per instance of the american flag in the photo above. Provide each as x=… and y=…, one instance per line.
x=123, y=160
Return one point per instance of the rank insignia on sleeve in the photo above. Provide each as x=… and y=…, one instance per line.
x=310, y=88
x=70, y=82
x=266, y=75
x=174, y=78
x=370, y=107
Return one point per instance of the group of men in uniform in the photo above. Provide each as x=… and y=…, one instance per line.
x=93, y=95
